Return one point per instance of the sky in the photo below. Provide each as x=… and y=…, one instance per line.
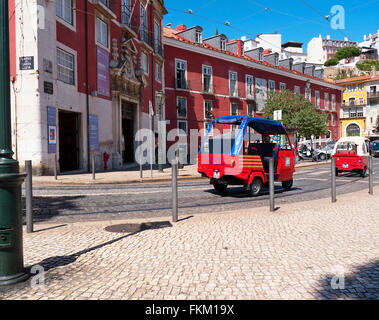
x=296, y=20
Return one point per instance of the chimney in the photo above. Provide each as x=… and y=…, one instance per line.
x=328, y=37
x=346, y=38
x=373, y=71
x=364, y=37
x=181, y=27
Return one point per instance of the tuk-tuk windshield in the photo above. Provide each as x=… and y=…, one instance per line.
x=347, y=147
x=279, y=139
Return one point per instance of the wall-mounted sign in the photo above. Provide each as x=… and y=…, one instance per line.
x=103, y=80
x=52, y=129
x=26, y=63
x=93, y=132
x=48, y=87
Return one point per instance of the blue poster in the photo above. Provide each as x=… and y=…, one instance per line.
x=52, y=129
x=94, y=132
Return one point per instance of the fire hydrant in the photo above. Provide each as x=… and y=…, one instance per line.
x=105, y=158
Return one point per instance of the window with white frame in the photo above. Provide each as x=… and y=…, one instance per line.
x=181, y=74
x=208, y=109
x=361, y=87
x=361, y=101
x=102, y=32
x=233, y=83
x=181, y=105
x=65, y=66
x=143, y=24
x=333, y=102
x=282, y=86
x=158, y=72
x=223, y=44
x=249, y=86
x=182, y=128
x=206, y=128
x=297, y=90
x=157, y=37
x=65, y=10
x=333, y=120
x=234, y=109
x=317, y=99
x=271, y=85
x=207, y=79
x=308, y=94
x=326, y=100
x=145, y=62
x=125, y=11
x=198, y=36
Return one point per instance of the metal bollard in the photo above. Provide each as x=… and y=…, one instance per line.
x=93, y=165
x=371, y=176
x=29, y=196
x=55, y=167
x=175, y=187
x=272, y=187
x=333, y=172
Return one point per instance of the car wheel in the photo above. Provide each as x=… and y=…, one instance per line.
x=363, y=173
x=219, y=187
x=287, y=185
x=322, y=156
x=256, y=187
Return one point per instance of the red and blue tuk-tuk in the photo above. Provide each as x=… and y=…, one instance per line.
x=242, y=155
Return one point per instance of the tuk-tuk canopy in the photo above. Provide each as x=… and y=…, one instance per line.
x=260, y=125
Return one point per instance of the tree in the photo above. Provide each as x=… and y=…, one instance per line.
x=343, y=53
x=331, y=62
x=298, y=113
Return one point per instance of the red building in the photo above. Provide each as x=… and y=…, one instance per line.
x=214, y=77
x=84, y=73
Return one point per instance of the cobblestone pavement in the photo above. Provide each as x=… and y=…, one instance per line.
x=297, y=252
x=62, y=204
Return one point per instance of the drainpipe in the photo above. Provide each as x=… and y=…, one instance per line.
x=87, y=85
x=152, y=70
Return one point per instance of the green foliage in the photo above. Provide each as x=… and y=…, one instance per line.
x=367, y=64
x=331, y=62
x=347, y=52
x=298, y=113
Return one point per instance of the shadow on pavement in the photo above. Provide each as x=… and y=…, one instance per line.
x=363, y=284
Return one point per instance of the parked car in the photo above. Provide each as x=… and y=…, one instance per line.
x=375, y=148
x=352, y=155
x=326, y=151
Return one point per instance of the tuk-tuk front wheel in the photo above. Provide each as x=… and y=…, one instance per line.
x=287, y=185
x=256, y=187
x=364, y=173
x=219, y=187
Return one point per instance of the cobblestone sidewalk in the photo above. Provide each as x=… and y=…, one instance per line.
x=298, y=252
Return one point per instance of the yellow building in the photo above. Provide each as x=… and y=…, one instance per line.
x=354, y=106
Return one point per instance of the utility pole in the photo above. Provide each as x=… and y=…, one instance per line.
x=11, y=244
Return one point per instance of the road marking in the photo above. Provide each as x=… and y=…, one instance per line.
x=313, y=179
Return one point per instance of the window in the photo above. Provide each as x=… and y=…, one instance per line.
x=308, y=94
x=181, y=105
x=260, y=55
x=206, y=128
x=208, y=109
x=233, y=83
x=125, y=11
x=223, y=44
x=158, y=72
x=181, y=80
x=157, y=37
x=207, y=79
x=297, y=90
x=333, y=102
x=182, y=128
x=361, y=87
x=271, y=85
x=143, y=24
x=105, y=2
x=249, y=86
x=361, y=101
x=102, y=32
x=326, y=98
x=333, y=120
x=282, y=86
x=234, y=109
x=145, y=62
x=64, y=10
x=66, y=65
x=317, y=99
x=250, y=110
x=360, y=112
x=198, y=36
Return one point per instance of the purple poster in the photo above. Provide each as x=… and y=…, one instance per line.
x=103, y=86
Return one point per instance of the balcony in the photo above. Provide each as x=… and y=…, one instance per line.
x=129, y=22
x=236, y=93
x=210, y=89
x=372, y=95
x=182, y=84
x=146, y=37
x=158, y=48
x=105, y=7
x=353, y=113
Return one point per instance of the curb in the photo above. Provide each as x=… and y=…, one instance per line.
x=145, y=180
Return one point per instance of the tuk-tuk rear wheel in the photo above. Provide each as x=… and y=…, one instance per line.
x=219, y=187
x=256, y=187
x=287, y=185
x=363, y=173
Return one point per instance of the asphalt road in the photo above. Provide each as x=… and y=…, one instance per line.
x=60, y=204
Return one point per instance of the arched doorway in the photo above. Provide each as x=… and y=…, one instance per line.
x=353, y=130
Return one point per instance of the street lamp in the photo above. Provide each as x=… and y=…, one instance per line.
x=160, y=100
x=11, y=245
